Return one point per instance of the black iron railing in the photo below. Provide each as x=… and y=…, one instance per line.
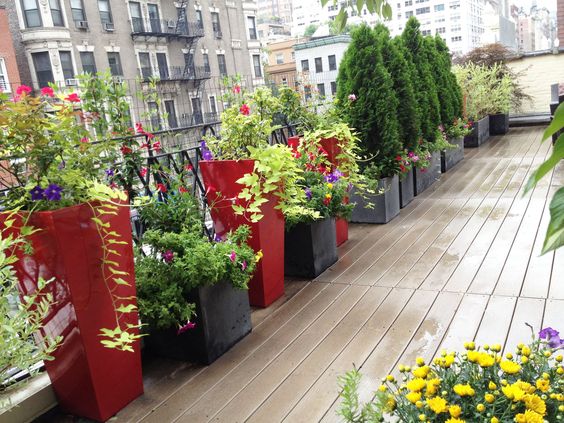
x=175, y=73
x=165, y=28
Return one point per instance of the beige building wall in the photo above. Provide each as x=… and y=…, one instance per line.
x=539, y=73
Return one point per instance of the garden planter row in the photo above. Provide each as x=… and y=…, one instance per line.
x=499, y=124
x=424, y=178
x=480, y=133
x=386, y=206
x=452, y=156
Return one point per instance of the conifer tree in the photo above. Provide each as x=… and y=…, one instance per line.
x=440, y=76
x=374, y=112
x=393, y=54
x=426, y=91
x=454, y=88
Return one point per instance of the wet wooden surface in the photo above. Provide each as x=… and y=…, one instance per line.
x=460, y=263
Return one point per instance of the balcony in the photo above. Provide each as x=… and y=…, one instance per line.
x=175, y=73
x=165, y=28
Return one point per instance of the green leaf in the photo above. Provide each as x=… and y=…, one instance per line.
x=548, y=165
x=387, y=11
x=120, y=281
x=130, y=308
x=556, y=124
x=118, y=272
x=100, y=223
x=9, y=223
x=555, y=233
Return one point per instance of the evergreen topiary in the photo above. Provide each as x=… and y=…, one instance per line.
x=373, y=112
x=453, y=87
x=426, y=90
x=393, y=54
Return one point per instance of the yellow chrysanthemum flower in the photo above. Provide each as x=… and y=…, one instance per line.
x=513, y=392
x=480, y=407
x=535, y=403
x=415, y=385
x=543, y=385
x=492, y=386
x=437, y=404
x=510, y=367
x=486, y=360
x=529, y=417
x=420, y=361
x=421, y=372
x=452, y=420
x=489, y=398
x=494, y=420
x=526, y=351
x=390, y=404
x=413, y=397
x=464, y=390
x=455, y=410
x=432, y=386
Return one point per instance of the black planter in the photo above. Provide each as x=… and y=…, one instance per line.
x=451, y=156
x=499, y=124
x=223, y=317
x=480, y=133
x=406, y=188
x=386, y=206
x=424, y=178
x=310, y=248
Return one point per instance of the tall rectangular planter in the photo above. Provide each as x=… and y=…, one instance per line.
x=223, y=317
x=451, y=156
x=267, y=235
x=89, y=379
x=480, y=133
x=386, y=206
x=424, y=178
x=310, y=248
x=341, y=231
x=406, y=188
x=499, y=124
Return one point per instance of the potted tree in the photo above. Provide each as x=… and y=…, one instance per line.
x=192, y=291
x=249, y=181
x=77, y=232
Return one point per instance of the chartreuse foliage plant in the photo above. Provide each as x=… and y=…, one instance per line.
x=554, y=237
x=174, y=258
x=21, y=319
x=479, y=385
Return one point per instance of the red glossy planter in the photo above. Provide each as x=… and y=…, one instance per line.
x=89, y=380
x=331, y=146
x=220, y=176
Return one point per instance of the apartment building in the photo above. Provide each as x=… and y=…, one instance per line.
x=279, y=10
x=281, y=68
x=184, y=44
x=9, y=73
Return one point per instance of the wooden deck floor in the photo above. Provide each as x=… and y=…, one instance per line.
x=460, y=263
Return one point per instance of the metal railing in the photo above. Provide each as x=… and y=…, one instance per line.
x=175, y=73
x=165, y=28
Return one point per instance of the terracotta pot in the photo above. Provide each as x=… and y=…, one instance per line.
x=267, y=235
x=89, y=379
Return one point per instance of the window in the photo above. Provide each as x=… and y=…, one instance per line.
x=409, y=2
x=458, y=38
x=333, y=88
x=77, y=9
x=136, y=16
x=222, y=64
x=307, y=92
x=105, y=11
x=408, y=14
x=305, y=65
x=115, y=64
x=154, y=17
x=279, y=58
x=66, y=64
x=257, y=66
x=145, y=65
x=43, y=70
x=154, y=116
x=422, y=10
x=332, y=62
x=439, y=7
x=197, y=117
x=321, y=89
x=426, y=32
x=215, y=25
x=441, y=30
x=252, y=27
x=4, y=82
x=206, y=60
x=318, y=65
x=56, y=12
x=88, y=62
x=162, y=63
x=32, y=15
x=213, y=105
x=171, y=114
x=293, y=56
x=199, y=20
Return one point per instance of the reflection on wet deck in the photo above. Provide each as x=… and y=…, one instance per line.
x=460, y=263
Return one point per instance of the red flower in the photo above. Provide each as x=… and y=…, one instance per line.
x=23, y=89
x=188, y=168
x=182, y=190
x=327, y=200
x=113, y=185
x=293, y=143
x=84, y=140
x=161, y=188
x=236, y=89
x=322, y=151
x=296, y=154
x=403, y=168
x=157, y=146
x=73, y=98
x=245, y=109
x=125, y=150
x=139, y=128
x=143, y=172
x=398, y=158
x=47, y=91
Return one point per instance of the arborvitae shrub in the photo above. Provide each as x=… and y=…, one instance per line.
x=453, y=87
x=374, y=112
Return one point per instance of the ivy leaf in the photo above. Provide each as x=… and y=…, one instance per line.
x=120, y=281
x=130, y=308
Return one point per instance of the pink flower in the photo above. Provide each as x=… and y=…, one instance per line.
x=47, y=91
x=352, y=97
x=244, y=265
x=84, y=140
x=73, y=98
x=139, y=128
x=168, y=256
x=236, y=89
x=143, y=172
x=189, y=325
x=188, y=168
x=23, y=89
x=415, y=158
x=233, y=256
x=161, y=188
x=157, y=146
x=245, y=109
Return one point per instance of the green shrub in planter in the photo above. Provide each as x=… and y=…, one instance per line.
x=452, y=84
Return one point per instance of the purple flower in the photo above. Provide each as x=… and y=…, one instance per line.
x=53, y=192
x=411, y=154
x=168, y=256
x=109, y=172
x=308, y=193
x=203, y=145
x=189, y=325
x=548, y=333
x=207, y=155
x=61, y=165
x=37, y=193
x=217, y=238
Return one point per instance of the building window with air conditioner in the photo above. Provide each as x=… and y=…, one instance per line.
x=88, y=62
x=66, y=66
x=106, y=15
x=4, y=81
